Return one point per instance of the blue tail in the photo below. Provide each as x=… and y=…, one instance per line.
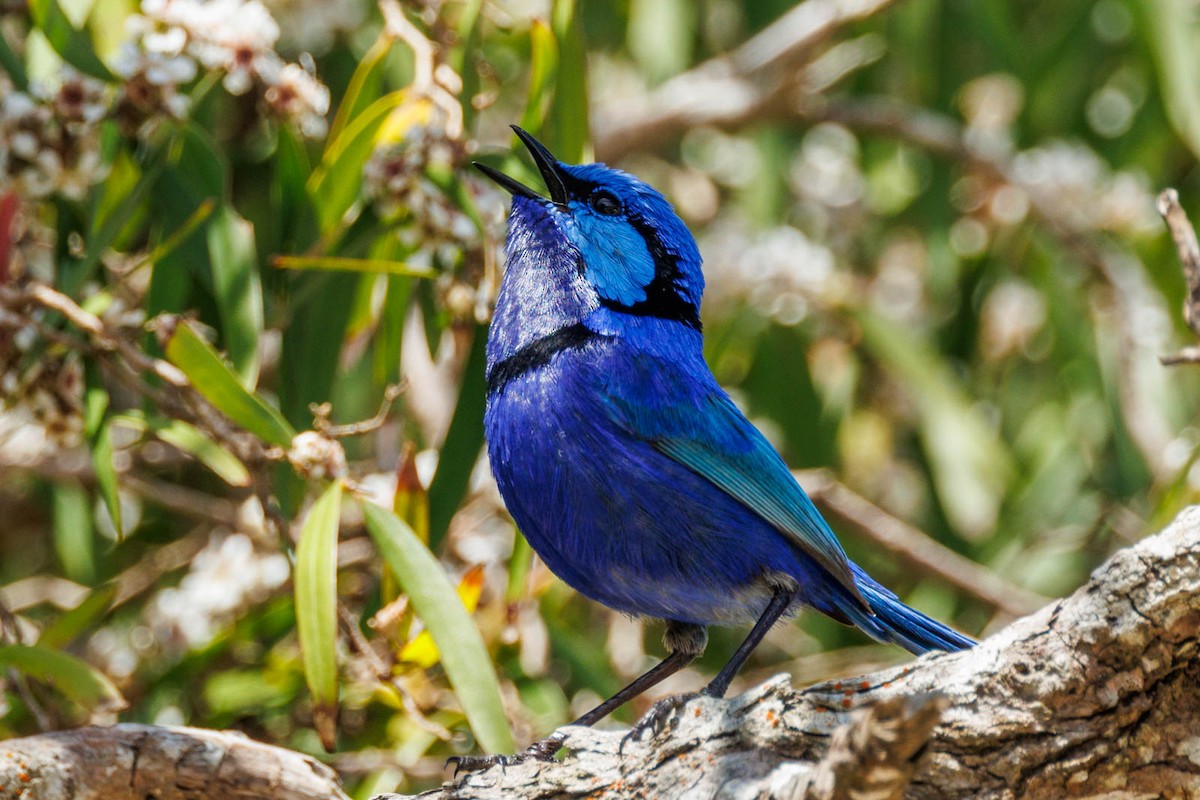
x=897, y=623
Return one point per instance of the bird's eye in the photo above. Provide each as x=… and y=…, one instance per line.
x=606, y=203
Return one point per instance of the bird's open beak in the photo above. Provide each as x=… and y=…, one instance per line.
x=547, y=164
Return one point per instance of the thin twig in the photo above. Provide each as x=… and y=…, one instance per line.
x=182, y=500
x=918, y=549
x=383, y=673
x=10, y=633
x=744, y=84
x=322, y=411
x=1189, y=257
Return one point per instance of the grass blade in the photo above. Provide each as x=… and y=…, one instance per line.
x=435, y=601
x=195, y=443
x=316, y=609
x=341, y=264
x=237, y=290
x=72, y=44
x=335, y=182
x=74, y=678
x=214, y=379
x=73, y=539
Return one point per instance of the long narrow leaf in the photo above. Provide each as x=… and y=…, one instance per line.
x=316, y=608
x=341, y=264
x=99, y=437
x=106, y=476
x=462, y=445
x=73, y=541
x=366, y=76
x=214, y=379
x=543, y=63
x=74, y=678
x=195, y=443
x=83, y=617
x=570, y=94
x=13, y=65
x=237, y=290
x=72, y=44
x=435, y=601
x=1173, y=35
x=334, y=184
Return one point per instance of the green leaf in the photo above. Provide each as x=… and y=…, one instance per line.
x=335, y=182
x=83, y=617
x=196, y=443
x=106, y=476
x=1173, y=36
x=73, y=542
x=435, y=600
x=316, y=608
x=460, y=451
x=72, y=44
x=338, y=263
x=570, y=113
x=362, y=83
x=74, y=678
x=464, y=36
x=214, y=379
x=660, y=36
x=99, y=436
x=181, y=234
x=237, y=290
x=118, y=199
x=11, y=63
x=292, y=207
x=312, y=341
x=542, y=66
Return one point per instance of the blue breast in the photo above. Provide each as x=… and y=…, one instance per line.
x=620, y=522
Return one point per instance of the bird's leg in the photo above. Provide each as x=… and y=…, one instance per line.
x=780, y=601
x=684, y=642
x=658, y=715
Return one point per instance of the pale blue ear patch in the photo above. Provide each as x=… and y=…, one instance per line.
x=617, y=261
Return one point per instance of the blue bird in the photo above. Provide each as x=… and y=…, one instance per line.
x=626, y=466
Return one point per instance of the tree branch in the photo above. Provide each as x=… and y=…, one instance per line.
x=1095, y=693
x=134, y=762
x=919, y=550
x=731, y=89
x=1188, y=249
x=1092, y=694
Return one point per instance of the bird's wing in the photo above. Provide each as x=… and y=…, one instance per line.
x=691, y=420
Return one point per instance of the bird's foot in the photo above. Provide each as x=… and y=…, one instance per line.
x=541, y=750
x=662, y=715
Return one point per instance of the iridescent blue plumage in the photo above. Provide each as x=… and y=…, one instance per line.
x=629, y=470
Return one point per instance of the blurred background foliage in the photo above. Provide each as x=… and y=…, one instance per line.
x=934, y=270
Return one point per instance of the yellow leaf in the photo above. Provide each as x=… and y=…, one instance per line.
x=401, y=119
x=421, y=651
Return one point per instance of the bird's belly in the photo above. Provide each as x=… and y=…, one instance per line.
x=619, y=521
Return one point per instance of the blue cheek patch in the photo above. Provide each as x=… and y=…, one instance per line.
x=618, y=263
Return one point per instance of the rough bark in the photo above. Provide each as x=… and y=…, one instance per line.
x=1096, y=695
x=147, y=762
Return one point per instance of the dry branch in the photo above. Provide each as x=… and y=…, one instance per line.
x=1184, y=236
x=917, y=549
x=135, y=762
x=1093, y=695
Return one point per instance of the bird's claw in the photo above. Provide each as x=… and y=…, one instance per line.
x=541, y=750
x=660, y=716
